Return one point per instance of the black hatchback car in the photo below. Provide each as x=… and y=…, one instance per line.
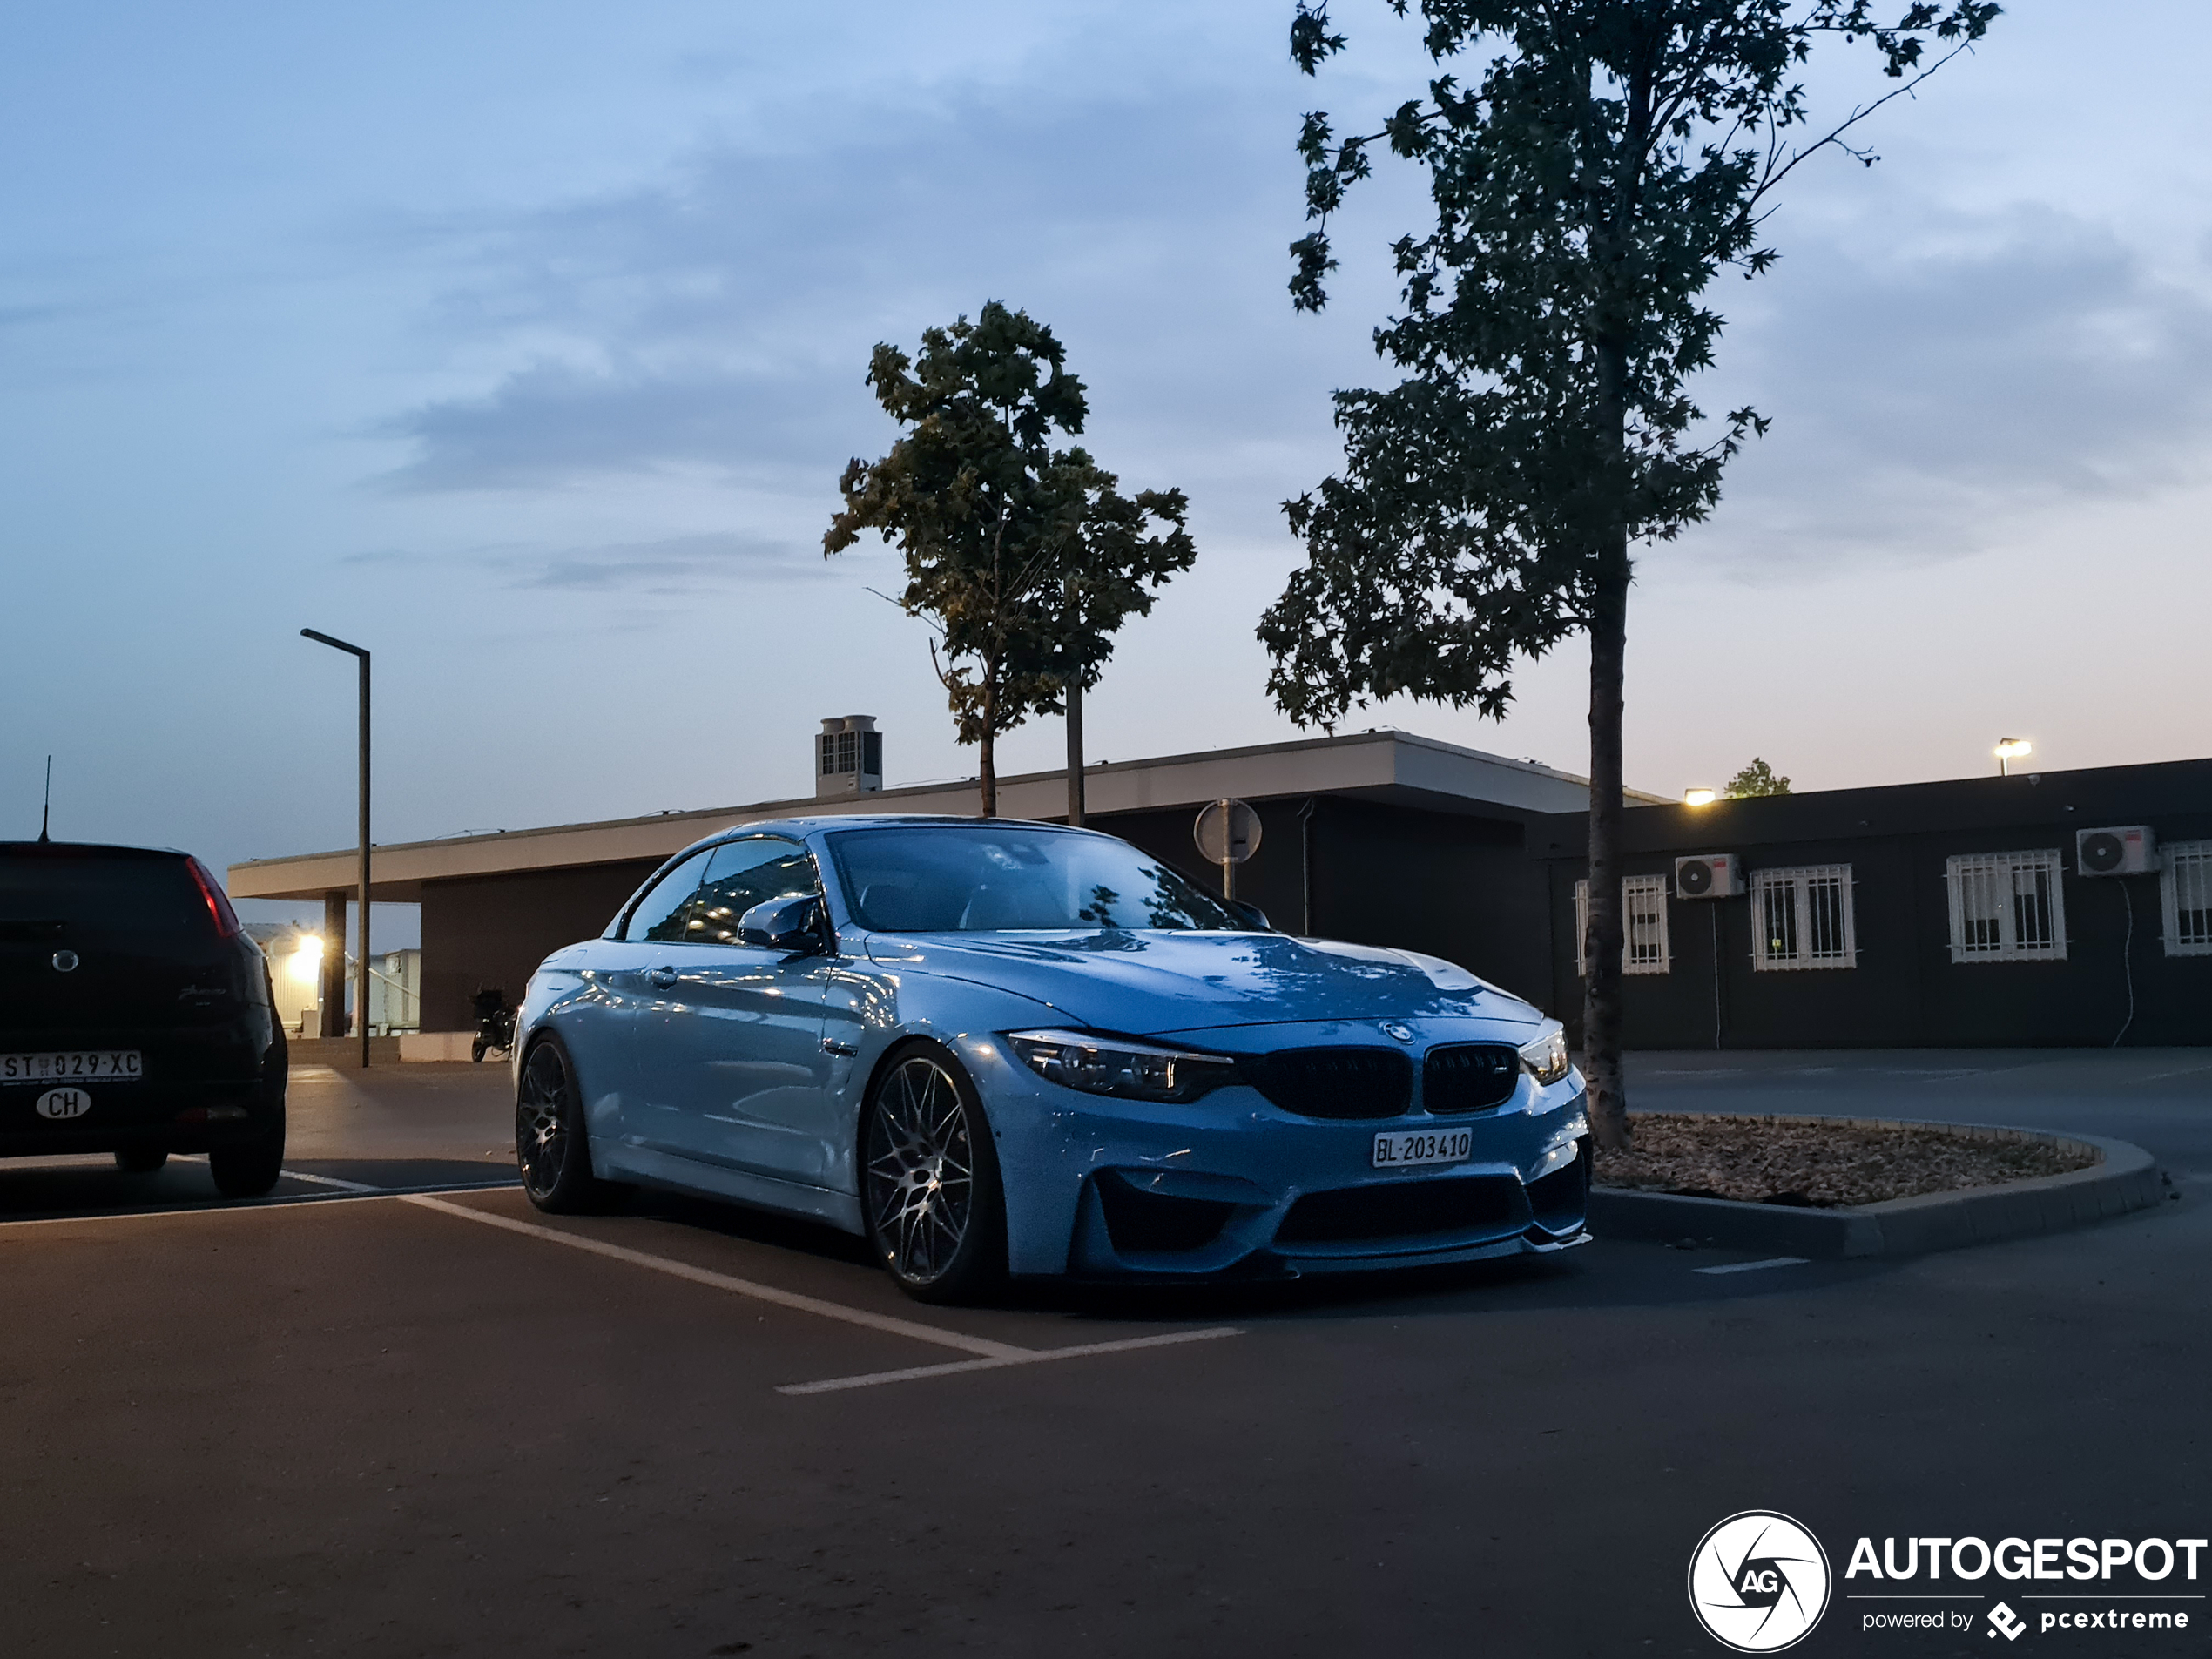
x=136, y=1016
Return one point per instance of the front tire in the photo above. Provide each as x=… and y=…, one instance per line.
x=552, y=1150
x=929, y=1179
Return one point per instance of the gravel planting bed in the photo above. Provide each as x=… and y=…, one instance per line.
x=1821, y=1165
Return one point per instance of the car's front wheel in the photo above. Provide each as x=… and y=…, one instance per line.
x=551, y=1148
x=929, y=1181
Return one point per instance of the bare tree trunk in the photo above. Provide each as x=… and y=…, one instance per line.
x=988, y=771
x=1601, y=949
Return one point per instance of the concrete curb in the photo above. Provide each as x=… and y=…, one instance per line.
x=2124, y=1178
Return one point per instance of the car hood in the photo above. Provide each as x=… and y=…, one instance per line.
x=1152, y=983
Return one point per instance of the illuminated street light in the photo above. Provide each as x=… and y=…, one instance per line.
x=1697, y=798
x=2009, y=749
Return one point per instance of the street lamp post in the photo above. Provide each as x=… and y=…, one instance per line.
x=2009, y=750
x=360, y=963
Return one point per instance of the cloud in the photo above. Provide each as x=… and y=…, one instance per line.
x=664, y=565
x=721, y=318
x=1934, y=383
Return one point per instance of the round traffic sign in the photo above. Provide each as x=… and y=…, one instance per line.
x=1227, y=832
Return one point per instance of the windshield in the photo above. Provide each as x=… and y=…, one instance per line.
x=975, y=878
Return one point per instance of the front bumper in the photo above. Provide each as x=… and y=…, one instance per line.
x=1231, y=1185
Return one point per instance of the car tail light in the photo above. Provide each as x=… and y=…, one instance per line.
x=219, y=905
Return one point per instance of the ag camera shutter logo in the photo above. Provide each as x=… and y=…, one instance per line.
x=1758, y=1581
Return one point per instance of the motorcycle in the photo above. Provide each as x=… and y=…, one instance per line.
x=495, y=1025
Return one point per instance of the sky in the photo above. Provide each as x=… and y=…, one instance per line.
x=525, y=344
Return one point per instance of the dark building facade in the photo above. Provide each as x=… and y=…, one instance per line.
x=1943, y=914
x=1953, y=914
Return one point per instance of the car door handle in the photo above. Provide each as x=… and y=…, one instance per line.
x=663, y=978
x=831, y=1045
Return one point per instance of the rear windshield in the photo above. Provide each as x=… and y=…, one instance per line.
x=146, y=902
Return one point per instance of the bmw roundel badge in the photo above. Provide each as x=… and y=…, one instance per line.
x=1393, y=1028
x=64, y=961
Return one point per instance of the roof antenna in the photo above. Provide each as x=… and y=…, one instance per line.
x=47, y=812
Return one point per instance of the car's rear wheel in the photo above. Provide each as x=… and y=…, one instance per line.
x=250, y=1168
x=929, y=1181
x=139, y=1161
x=551, y=1148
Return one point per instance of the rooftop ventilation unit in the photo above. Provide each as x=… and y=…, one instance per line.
x=2126, y=849
x=1709, y=875
x=848, y=757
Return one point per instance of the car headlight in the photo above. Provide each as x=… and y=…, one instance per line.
x=1127, y=1067
x=1546, y=1058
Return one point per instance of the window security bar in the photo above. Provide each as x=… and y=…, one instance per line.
x=2006, y=908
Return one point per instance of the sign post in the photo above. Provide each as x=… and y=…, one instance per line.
x=1227, y=833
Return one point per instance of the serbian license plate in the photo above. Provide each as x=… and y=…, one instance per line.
x=73, y=1066
x=1404, y=1149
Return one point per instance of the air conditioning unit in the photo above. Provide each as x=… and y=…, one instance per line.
x=2125, y=849
x=1709, y=875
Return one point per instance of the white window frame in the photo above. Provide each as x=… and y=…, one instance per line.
x=1971, y=876
x=1651, y=888
x=1795, y=888
x=2187, y=875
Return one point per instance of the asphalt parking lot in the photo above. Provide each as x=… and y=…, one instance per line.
x=344, y=1421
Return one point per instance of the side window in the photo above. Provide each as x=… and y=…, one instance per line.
x=658, y=914
x=741, y=874
x=1802, y=918
x=2185, y=892
x=2006, y=908
x=1643, y=926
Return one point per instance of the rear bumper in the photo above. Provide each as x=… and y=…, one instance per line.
x=171, y=1116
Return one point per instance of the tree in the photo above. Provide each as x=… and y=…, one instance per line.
x=1613, y=156
x=1757, y=779
x=994, y=523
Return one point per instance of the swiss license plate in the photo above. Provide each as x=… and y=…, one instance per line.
x=73, y=1066
x=1404, y=1149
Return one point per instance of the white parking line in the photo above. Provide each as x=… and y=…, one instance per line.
x=278, y=1201
x=1753, y=1267
x=1028, y=1357
x=991, y=1355
x=329, y=1181
x=759, y=1292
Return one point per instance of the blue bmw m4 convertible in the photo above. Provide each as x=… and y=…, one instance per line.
x=992, y=1047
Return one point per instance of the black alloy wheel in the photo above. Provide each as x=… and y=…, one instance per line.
x=930, y=1179
x=551, y=1146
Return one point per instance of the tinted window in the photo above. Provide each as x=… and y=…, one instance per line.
x=657, y=911
x=973, y=878
x=741, y=875
x=144, y=901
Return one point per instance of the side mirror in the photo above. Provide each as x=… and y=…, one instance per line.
x=793, y=923
x=1250, y=914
